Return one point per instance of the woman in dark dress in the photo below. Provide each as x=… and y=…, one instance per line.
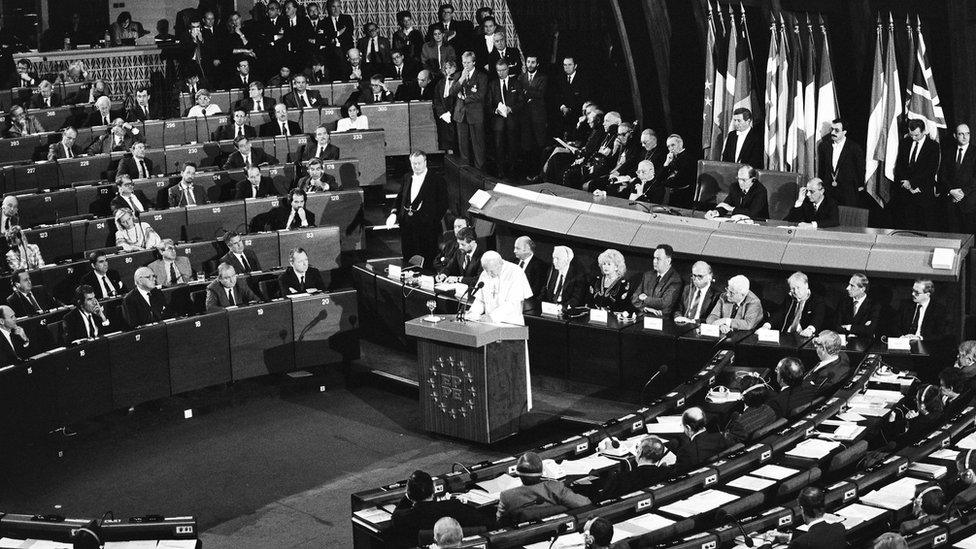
x=611, y=289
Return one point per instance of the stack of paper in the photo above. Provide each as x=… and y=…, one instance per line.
x=584, y=465
x=487, y=491
x=890, y=397
x=639, y=525
x=857, y=513
x=967, y=443
x=813, y=448
x=666, y=425
x=751, y=483
x=567, y=541
x=774, y=472
x=828, y=518
x=929, y=471
x=842, y=430
x=699, y=503
x=373, y=515
x=895, y=496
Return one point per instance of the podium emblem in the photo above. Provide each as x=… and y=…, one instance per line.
x=451, y=387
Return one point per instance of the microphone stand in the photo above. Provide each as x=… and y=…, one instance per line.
x=463, y=306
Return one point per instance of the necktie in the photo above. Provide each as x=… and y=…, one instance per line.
x=914, y=154
x=240, y=131
x=735, y=310
x=914, y=327
x=305, y=99
x=321, y=151
x=188, y=196
x=857, y=305
x=230, y=296
x=301, y=283
x=47, y=101
x=247, y=160
x=245, y=264
x=108, y=289
x=37, y=308
x=376, y=97
x=145, y=111
x=795, y=322
x=504, y=81
x=692, y=307
x=959, y=157
x=284, y=129
x=142, y=169
x=522, y=264
x=464, y=262
x=569, y=79
x=173, y=277
x=6, y=224
x=68, y=152
x=131, y=204
x=257, y=106
x=193, y=90
x=558, y=293
x=92, y=329
x=788, y=319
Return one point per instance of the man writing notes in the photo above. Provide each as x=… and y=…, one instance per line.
x=504, y=289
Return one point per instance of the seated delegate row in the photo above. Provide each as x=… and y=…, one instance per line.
x=336, y=93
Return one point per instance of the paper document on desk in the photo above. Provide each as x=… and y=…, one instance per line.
x=373, y=514
x=11, y=543
x=177, y=544
x=967, y=543
x=891, y=397
x=699, y=503
x=870, y=411
x=813, y=448
x=499, y=484
x=134, y=544
x=859, y=512
x=775, y=472
x=929, y=471
x=828, y=518
x=851, y=416
x=967, y=443
x=894, y=496
x=47, y=544
x=639, y=525
x=945, y=453
x=751, y=483
x=842, y=431
x=583, y=466
x=569, y=541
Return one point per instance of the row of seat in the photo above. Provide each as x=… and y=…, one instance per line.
x=336, y=93
x=22, y=95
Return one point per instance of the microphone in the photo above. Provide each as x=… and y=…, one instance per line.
x=614, y=441
x=645, y=207
x=725, y=517
x=663, y=369
x=206, y=120
x=463, y=306
x=559, y=531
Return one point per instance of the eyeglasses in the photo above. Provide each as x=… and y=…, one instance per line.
x=698, y=276
x=916, y=292
x=148, y=276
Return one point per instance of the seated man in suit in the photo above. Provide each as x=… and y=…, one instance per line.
x=696, y=445
x=747, y=197
x=186, y=193
x=119, y=137
x=654, y=464
x=804, y=312
x=246, y=156
x=420, y=90
x=170, y=269
x=834, y=366
x=242, y=258
x=321, y=148
x=375, y=91
x=280, y=125
x=9, y=215
x=925, y=319
x=66, y=148
x=699, y=298
x=128, y=196
x=448, y=244
x=756, y=413
x=813, y=209
x=145, y=303
x=859, y=315
x=566, y=283
x=536, y=498
x=465, y=267
x=229, y=291
x=418, y=510
x=299, y=277
x=535, y=268
x=292, y=215
x=27, y=300
x=104, y=282
x=738, y=308
x=302, y=97
x=820, y=533
x=87, y=320
x=101, y=113
x=240, y=127
x=317, y=180
x=22, y=124
x=255, y=185
x=135, y=164
x=45, y=97
x=142, y=110
x=256, y=102
x=794, y=391
x=659, y=289
x=14, y=342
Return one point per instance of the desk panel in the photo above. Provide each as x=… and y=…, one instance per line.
x=289, y=147
x=343, y=209
x=813, y=254
x=329, y=117
x=61, y=280
x=345, y=171
x=15, y=398
x=206, y=126
x=321, y=243
x=169, y=223
x=175, y=133
x=94, y=199
x=548, y=352
x=93, y=234
x=748, y=244
x=342, y=92
x=41, y=404
x=200, y=253
x=139, y=365
x=326, y=328
x=643, y=352
x=684, y=240
x=604, y=228
x=394, y=119
x=84, y=381
x=55, y=118
x=595, y=351
x=389, y=309
x=258, y=212
x=127, y=263
x=153, y=133
x=211, y=221
x=261, y=339
x=368, y=146
x=553, y=220
x=423, y=127
x=48, y=207
x=54, y=242
x=27, y=147
x=31, y=177
x=266, y=248
x=190, y=368
x=307, y=118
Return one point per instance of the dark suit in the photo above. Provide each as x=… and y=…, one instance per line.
x=59, y=151
x=95, y=118
x=535, y=135
x=91, y=279
x=380, y=57
x=137, y=312
x=236, y=81
x=280, y=215
x=23, y=307
x=660, y=293
x=680, y=178
x=177, y=198
x=409, y=521
x=512, y=55
x=827, y=215
x=746, y=423
x=106, y=144
x=813, y=314
x=13, y=352
x=620, y=482
x=74, y=327
x=572, y=96
x=446, y=132
x=217, y=295
x=754, y=204
x=420, y=220
x=289, y=284
x=915, y=210
x=864, y=323
x=258, y=157
x=406, y=73
x=229, y=131
x=293, y=99
x=130, y=167
x=826, y=377
x=533, y=502
x=574, y=288
x=821, y=535
x=469, y=274
x=843, y=180
x=410, y=91
x=252, y=261
x=687, y=309
x=792, y=398
x=936, y=326
x=959, y=175
x=246, y=190
x=505, y=129
x=119, y=202
x=37, y=101
x=247, y=105
x=458, y=34
x=138, y=113
x=750, y=153
x=338, y=31
x=310, y=150
x=536, y=272
x=703, y=448
x=273, y=128
x=469, y=117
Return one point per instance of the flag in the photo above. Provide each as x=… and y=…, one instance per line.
x=709, y=106
x=773, y=154
x=809, y=106
x=718, y=98
x=827, y=109
x=731, y=72
x=796, y=132
x=742, y=98
x=883, y=122
x=893, y=110
x=924, y=103
x=783, y=89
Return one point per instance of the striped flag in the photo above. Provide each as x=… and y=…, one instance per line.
x=774, y=154
x=743, y=73
x=783, y=88
x=893, y=110
x=796, y=132
x=924, y=103
x=731, y=73
x=709, y=105
x=718, y=98
x=875, y=151
x=827, y=109
x=809, y=105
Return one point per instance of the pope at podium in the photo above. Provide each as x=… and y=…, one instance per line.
x=503, y=288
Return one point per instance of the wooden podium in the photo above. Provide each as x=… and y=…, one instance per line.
x=472, y=377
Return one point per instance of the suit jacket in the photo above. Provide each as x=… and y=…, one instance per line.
x=513, y=97
x=621, y=482
x=217, y=295
x=106, y=144
x=367, y=97
x=409, y=520
x=279, y=218
x=571, y=95
x=751, y=152
x=310, y=150
x=793, y=397
x=136, y=113
x=936, y=326
x=429, y=206
x=471, y=109
x=273, y=128
x=864, y=323
x=183, y=268
x=546, y=498
x=91, y=279
x=443, y=104
x=265, y=188
x=468, y=275
x=235, y=82
x=384, y=54
x=73, y=324
x=574, y=290
x=827, y=215
x=37, y=101
x=408, y=71
x=747, y=317
x=22, y=306
x=843, y=181
x=58, y=149
x=410, y=91
x=119, y=202
x=512, y=55
x=12, y=354
x=130, y=167
x=661, y=293
x=821, y=535
x=94, y=118
x=288, y=281
x=536, y=272
x=959, y=176
x=292, y=99
x=178, y=200
x=339, y=31
x=826, y=377
x=703, y=448
x=247, y=105
x=137, y=312
x=31, y=123
x=814, y=313
x=459, y=34
x=746, y=423
x=754, y=203
x=249, y=255
x=682, y=172
x=712, y=295
x=229, y=131
x=921, y=174
x=428, y=56
x=258, y=157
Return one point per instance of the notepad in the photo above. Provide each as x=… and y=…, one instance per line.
x=177, y=544
x=751, y=483
x=828, y=518
x=699, y=503
x=568, y=541
x=639, y=525
x=583, y=466
x=967, y=543
x=134, y=544
x=945, y=453
x=967, y=443
x=11, y=543
x=813, y=448
x=373, y=515
x=775, y=472
x=929, y=471
x=499, y=484
x=851, y=416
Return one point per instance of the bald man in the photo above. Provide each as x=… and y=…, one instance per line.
x=9, y=215
x=534, y=267
x=957, y=182
x=738, y=308
x=14, y=341
x=228, y=290
x=145, y=303
x=696, y=445
x=654, y=464
x=504, y=291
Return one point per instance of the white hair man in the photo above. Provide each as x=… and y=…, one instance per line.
x=503, y=288
x=738, y=308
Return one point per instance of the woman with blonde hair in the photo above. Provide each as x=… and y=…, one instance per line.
x=133, y=235
x=610, y=290
x=21, y=254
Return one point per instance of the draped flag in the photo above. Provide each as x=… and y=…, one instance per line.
x=709, y=107
x=809, y=106
x=894, y=109
x=924, y=103
x=796, y=132
x=718, y=99
x=774, y=154
x=783, y=89
x=827, y=109
x=875, y=150
x=731, y=76
x=743, y=73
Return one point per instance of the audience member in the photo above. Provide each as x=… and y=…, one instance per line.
x=660, y=289
x=14, y=341
x=444, y=104
x=696, y=445
x=566, y=284
x=505, y=101
x=813, y=208
x=536, y=498
x=301, y=97
x=255, y=102
x=699, y=297
x=299, y=277
x=957, y=183
x=66, y=148
x=375, y=48
x=20, y=253
x=321, y=149
x=465, y=266
x=419, y=510
x=245, y=155
x=610, y=290
x=597, y=533
x=9, y=213
x=105, y=282
x=418, y=88
x=912, y=202
x=654, y=464
x=145, y=303
x=21, y=124
x=571, y=91
x=294, y=214
x=407, y=39
x=87, y=320
x=118, y=137
x=924, y=319
x=242, y=258
x=46, y=97
x=503, y=294
x=135, y=164
x=240, y=128
x=756, y=414
x=101, y=113
x=794, y=392
x=203, y=106
x=28, y=300
x=436, y=52
x=803, y=313
x=353, y=119
x=142, y=110
x=186, y=192
x=820, y=533
x=170, y=269
x=420, y=207
x=890, y=540
x=229, y=291
x=255, y=185
x=834, y=366
x=449, y=243
x=280, y=125
x=680, y=173
x=469, y=112
x=859, y=315
x=738, y=308
x=447, y=533
x=534, y=267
